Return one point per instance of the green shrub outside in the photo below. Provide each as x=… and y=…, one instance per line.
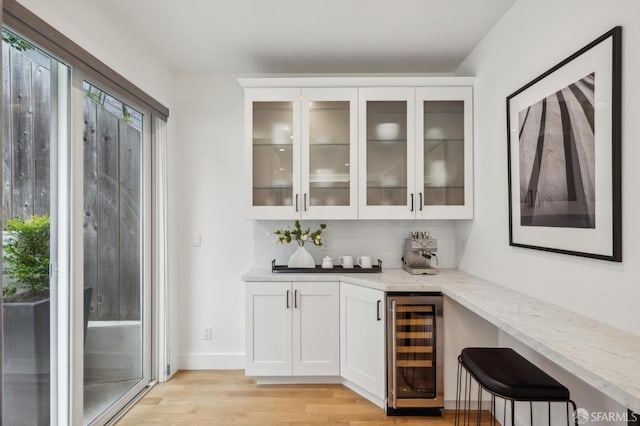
x=26, y=256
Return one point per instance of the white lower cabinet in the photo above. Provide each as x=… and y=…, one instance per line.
x=362, y=340
x=292, y=329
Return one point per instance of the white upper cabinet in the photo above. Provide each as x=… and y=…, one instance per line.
x=387, y=153
x=415, y=153
x=444, y=153
x=359, y=148
x=329, y=153
x=302, y=148
x=272, y=126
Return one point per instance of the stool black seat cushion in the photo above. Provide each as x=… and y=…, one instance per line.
x=507, y=374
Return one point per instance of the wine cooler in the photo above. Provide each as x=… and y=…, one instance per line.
x=414, y=354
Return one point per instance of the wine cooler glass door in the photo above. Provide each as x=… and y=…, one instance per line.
x=414, y=376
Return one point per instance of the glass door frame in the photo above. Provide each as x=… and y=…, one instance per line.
x=407, y=210
x=76, y=340
x=60, y=256
x=464, y=94
x=329, y=212
x=272, y=95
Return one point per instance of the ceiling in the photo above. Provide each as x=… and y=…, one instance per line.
x=307, y=36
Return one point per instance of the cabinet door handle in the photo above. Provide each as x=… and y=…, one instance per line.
x=295, y=299
x=411, y=202
x=288, y=298
x=378, y=317
x=420, y=204
x=305, y=202
x=297, y=196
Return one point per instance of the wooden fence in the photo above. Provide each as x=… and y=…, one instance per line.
x=26, y=135
x=112, y=164
x=111, y=214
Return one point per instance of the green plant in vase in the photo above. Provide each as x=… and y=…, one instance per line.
x=301, y=258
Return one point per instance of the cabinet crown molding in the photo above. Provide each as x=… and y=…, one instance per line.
x=363, y=81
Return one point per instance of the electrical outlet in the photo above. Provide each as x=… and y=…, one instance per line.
x=207, y=333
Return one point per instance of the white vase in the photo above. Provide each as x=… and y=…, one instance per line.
x=301, y=258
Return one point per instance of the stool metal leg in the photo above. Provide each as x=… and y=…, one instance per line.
x=575, y=408
x=504, y=412
x=467, y=398
x=479, y=415
x=493, y=409
x=465, y=410
x=513, y=413
x=457, y=412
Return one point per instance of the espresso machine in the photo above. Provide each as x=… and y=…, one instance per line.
x=420, y=253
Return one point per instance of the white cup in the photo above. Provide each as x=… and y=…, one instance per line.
x=327, y=262
x=364, y=262
x=346, y=261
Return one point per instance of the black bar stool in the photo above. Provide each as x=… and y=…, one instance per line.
x=505, y=374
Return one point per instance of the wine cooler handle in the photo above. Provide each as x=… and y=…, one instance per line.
x=394, y=377
x=378, y=317
x=288, y=291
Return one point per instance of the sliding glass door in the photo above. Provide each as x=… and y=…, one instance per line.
x=115, y=248
x=35, y=123
x=76, y=264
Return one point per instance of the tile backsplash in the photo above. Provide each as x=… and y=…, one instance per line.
x=380, y=239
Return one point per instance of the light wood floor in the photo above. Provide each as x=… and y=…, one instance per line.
x=230, y=398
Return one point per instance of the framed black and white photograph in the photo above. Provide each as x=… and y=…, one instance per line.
x=564, y=159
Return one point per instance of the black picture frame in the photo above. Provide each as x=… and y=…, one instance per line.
x=564, y=155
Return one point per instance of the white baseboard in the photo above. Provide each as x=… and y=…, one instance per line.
x=211, y=361
x=297, y=380
x=364, y=393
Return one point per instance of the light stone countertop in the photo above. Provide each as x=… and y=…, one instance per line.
x=603, y=356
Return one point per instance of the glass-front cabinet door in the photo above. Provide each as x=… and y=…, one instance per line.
x=302, y=147
x=272, y=127
x=329, y=153
x=387, y=153
x=444, y=153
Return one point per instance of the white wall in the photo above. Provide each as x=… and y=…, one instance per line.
x=463, y=329
x=208, y=200
x=531, y=37
x=380, y=239
x=116, y=45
